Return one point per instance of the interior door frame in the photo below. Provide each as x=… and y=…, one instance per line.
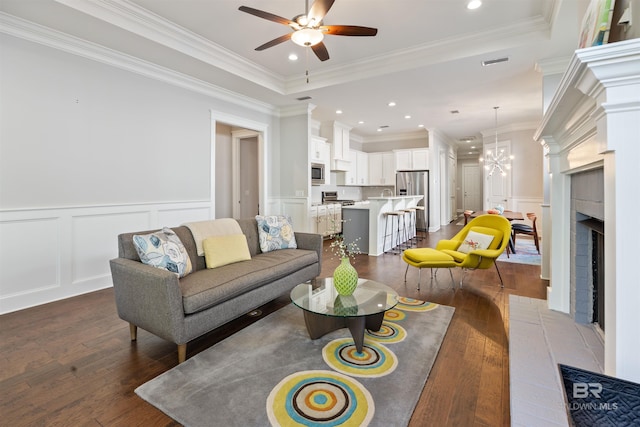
x=261, y=130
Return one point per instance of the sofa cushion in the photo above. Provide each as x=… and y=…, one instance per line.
x=223, y=250
x=275, y=233
x=206, y=288
x=163, y=249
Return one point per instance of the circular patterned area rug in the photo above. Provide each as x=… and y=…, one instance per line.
x=410, y=304
x=394, y=315
x=389, y=333
x=319, y=398
x=374, y=361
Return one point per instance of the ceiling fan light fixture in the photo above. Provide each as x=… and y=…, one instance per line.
x=307, y=37
x=474, y=4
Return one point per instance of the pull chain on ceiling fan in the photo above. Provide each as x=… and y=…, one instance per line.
x=308, y=30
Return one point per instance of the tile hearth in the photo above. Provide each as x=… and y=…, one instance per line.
x=539, y=339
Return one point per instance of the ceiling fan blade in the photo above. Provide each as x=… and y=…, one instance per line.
x=348, y=30
x=266, y=15
x=321, y=51
x=274, y=42
x=319, y=9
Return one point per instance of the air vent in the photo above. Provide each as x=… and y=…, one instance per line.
x=383, y=126
x=494, y=61
x=454, y=112
x=303, y=98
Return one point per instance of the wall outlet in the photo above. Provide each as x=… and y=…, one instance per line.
x=299, y=193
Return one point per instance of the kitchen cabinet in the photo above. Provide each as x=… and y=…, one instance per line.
x=382, y=169
x=362, y=168
x=414, y=159
x=358, y=171
x=326, y=219
x=319, y=150
x=338, y=135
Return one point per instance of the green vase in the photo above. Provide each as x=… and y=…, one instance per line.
x=345, y=277
x=345, y=305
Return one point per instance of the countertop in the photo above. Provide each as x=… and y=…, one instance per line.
x=394, y=197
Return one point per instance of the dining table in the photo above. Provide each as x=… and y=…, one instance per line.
x=511, y=216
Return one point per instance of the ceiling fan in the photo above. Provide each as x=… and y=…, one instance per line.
x=308, y=30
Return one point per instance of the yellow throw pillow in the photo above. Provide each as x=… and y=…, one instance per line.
x=223, y=250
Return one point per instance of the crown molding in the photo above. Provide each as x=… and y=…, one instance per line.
x=140, y=21
x=36, y=33
x=424, y=54
x=406, y=136
x=137, y=20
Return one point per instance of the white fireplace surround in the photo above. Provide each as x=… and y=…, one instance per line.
x=593, y=121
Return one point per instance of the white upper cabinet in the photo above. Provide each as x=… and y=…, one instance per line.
x=415, y=159
x=382, y=170
x=319, y=150
x=358, y=171
x=362, y=168
x=338, y=135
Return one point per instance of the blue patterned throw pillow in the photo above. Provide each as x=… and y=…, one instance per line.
x=275, y=232
x=163, y=249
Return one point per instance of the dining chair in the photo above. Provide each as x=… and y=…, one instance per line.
x=527, y=229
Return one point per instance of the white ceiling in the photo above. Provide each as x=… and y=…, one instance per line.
x=426, y=56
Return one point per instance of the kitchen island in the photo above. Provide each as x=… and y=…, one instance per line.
x=365, y=222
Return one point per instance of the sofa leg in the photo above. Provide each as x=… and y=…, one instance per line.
x=133, y=330
x=182, y=353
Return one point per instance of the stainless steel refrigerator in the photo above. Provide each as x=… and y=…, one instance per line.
x=412, y=183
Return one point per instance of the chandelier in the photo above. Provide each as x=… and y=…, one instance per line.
x=497, y=160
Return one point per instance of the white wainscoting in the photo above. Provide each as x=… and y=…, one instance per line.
x=296, y=208
x=55, y=253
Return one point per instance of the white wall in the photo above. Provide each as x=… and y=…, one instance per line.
x=89, y=150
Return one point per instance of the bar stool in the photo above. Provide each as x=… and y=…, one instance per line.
x=424, y=222
x=411, y=234
x=390, y=215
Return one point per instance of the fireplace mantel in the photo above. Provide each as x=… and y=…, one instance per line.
x=593, y=121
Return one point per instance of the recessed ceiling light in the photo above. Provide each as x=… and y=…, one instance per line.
x=407, y=116
x=360, y=122
x=293, y=57
x=338, y=111
x=473, y=147
x=420, y=126
x=474, y=4
x=391, y=104
x=379, y=130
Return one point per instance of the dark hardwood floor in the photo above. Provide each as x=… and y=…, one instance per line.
x=71, y=363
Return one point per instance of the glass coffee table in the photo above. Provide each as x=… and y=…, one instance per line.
x=325, y=310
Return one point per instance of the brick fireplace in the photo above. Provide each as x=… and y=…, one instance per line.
x=591, y=135
x=587, y=247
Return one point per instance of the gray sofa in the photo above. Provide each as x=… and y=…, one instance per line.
x=180, y=310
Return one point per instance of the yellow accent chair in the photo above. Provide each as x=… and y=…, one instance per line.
x=493, y=225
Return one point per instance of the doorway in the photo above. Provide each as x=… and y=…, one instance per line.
x=245, y=178
x=471, y=187
x=228, y=156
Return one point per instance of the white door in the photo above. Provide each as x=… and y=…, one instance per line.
x=497, y=188
x=471, y=188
